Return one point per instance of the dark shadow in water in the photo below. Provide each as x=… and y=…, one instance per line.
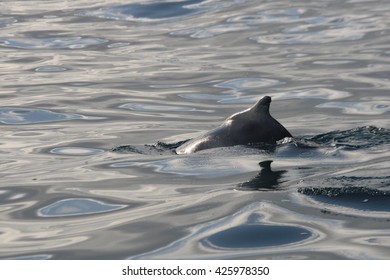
x=265, y=180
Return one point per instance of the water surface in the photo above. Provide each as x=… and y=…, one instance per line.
x=96, y=95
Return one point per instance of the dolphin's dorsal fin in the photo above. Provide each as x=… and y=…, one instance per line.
x=262, y=105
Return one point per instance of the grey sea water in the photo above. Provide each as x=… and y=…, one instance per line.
x=95, y=96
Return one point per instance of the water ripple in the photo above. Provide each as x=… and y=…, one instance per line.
x=17, y=116
x=211, y=31
x=359, y=108
x=159, y=108
x=313, y=93
x=323, y=30
x=248, y=83
x=232, y=96
x=240, y=234
x=50, y=42
x=319, y=37
x=77, y=207
x=161, y=71
x=50, y=68
x=34, y=257
x=279, y=16
x=4, y=21
x=243, y=23
x=76, y=151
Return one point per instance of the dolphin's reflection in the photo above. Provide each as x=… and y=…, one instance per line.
x=265, y=180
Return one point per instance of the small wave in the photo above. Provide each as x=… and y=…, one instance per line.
x=352, y=197
x=356, y=138
x=343, y=191
x=149, y=149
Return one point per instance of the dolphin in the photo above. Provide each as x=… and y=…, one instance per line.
x=253, y=125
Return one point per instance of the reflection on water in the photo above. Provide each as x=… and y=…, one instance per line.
x=266, y=179
x=96, y=95
x=239, y=234
x=158, y=10
x=252, y=236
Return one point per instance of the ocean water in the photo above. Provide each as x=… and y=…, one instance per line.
x=96, y=95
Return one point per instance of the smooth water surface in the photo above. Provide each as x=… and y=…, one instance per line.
x=96, y=95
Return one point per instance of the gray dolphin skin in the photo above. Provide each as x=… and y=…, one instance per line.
x=253, y=125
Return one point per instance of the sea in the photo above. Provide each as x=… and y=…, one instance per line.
x=96, y=95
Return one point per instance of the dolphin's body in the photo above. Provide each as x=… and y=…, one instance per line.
x=253, y=125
